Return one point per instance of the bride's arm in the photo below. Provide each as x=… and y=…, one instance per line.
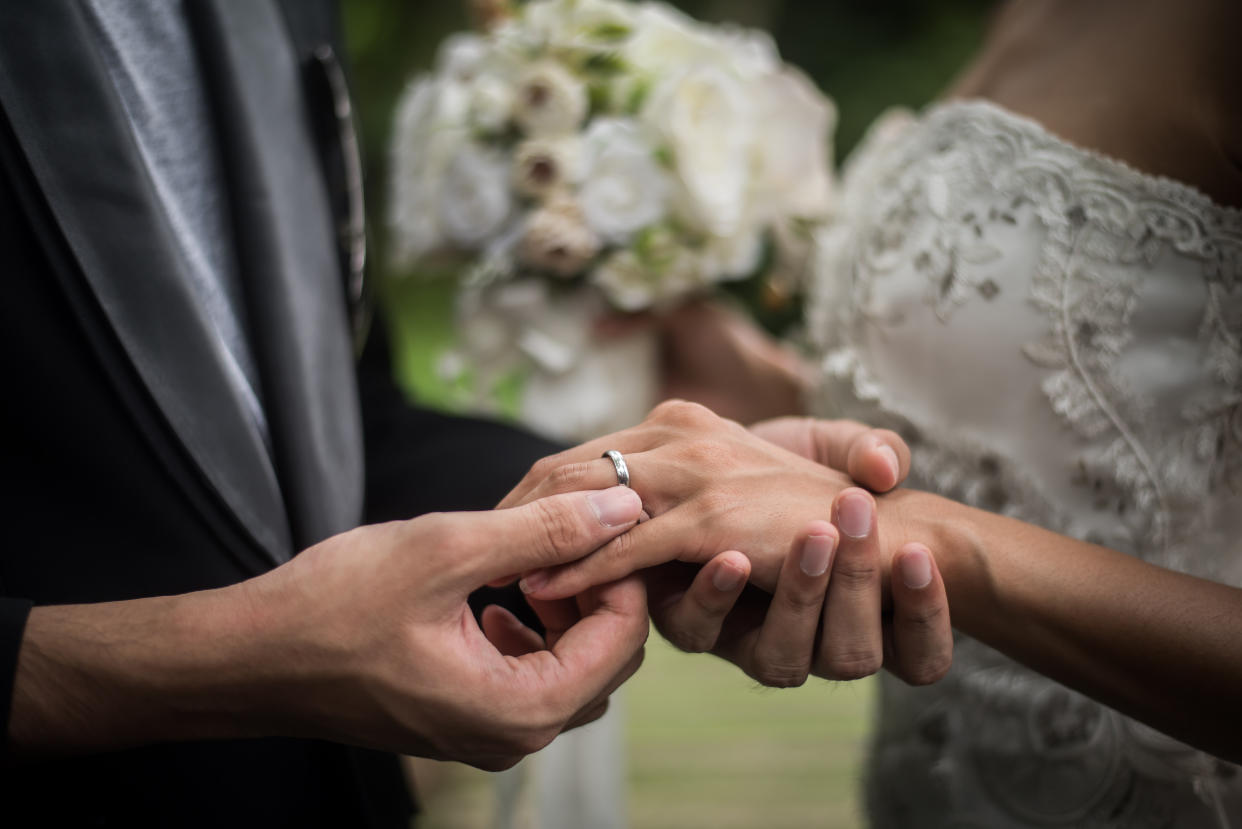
x=1158, y=645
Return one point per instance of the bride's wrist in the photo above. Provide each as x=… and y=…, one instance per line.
x=953, y=536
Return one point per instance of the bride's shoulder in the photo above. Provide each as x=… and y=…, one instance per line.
x=1085, y=72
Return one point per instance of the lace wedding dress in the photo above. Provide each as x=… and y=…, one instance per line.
x=1059, y=338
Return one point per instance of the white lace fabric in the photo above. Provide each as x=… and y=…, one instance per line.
x=1058, y=336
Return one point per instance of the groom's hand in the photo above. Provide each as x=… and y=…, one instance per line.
x=365, y=638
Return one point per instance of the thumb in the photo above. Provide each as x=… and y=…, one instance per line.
x=555, y=530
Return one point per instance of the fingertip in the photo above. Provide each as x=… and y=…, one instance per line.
x=820, y=527
x=855, y=512
x=889, y=467
x=915, y=566
x=818, y=548
x=731, y=570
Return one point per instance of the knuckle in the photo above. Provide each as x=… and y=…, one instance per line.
x=855, y=577
x=683, y=413
x=805, y=600
x=854, y=663
x=692, y=638
x=542, y=468
x=924, y=618
x=555, y=530
x=495, y=764
x=781, y=675
x=928, y=671
x=620, y=549
x=568, y=478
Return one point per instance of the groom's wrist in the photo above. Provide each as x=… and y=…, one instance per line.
x=106, y=676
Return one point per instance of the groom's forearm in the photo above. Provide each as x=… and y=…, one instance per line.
x=106, y=676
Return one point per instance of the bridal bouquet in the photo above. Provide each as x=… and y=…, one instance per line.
x=584, y=155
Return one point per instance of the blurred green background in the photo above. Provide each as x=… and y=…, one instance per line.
x=705, y=746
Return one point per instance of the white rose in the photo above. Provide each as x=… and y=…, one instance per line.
x=475, y=199
x=624, y=189
x=425, y=138
x=733, y=257
x=557, y=240
x=656, y=272
x=549, y=100
x=665, y=39
x=706, y=117
x=576, y=24
x=461, y=56
x=491, y=103
x=542, y=166
x=793, y=147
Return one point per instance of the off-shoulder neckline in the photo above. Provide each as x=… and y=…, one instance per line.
x=1175, y=189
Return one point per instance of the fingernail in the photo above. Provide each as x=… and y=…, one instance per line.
x=616, y=507
x=533, y=581
x=817, y=553
x=916, y=568
x=890, y=459
x=726, y=579
x=854, y=515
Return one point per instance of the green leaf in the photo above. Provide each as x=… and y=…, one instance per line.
x=610, y=32
x=637, y=97
x=604, y=63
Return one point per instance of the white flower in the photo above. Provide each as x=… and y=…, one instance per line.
x=491, y=103
x=550, y=100
x=460, y=57
x=792, y=152
x=733, y=257
x=475, y=200
x=656, y=271
x=624, y=189
x=427, y=134
x=557, y=240
x=666, y=39
x=578, y=25
x=542, y=166
x=707, y=118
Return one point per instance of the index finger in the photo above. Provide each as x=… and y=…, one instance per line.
x=597, y=653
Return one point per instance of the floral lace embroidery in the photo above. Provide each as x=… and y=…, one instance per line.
x=1104, y=223
x=943, y=199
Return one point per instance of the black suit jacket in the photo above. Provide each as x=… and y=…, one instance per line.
x=130, y=468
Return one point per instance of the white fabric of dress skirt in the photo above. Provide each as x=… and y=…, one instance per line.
x=1059, y=338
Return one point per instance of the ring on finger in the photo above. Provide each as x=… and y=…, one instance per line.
x=618, y=463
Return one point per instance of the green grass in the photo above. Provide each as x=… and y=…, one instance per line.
x=708, y=747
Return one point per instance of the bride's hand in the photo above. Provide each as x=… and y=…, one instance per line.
x=875, y=458
x=779, y=640
x=709, y=484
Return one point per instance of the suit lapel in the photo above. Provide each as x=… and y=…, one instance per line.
x=78, y=144
x=290, y=261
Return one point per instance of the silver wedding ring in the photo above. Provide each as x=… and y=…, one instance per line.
x=618, y=463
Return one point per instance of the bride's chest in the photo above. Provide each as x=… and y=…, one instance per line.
x=1071, y=318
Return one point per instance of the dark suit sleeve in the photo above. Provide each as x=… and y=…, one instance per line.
x=13, y=613
x=422, y=461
